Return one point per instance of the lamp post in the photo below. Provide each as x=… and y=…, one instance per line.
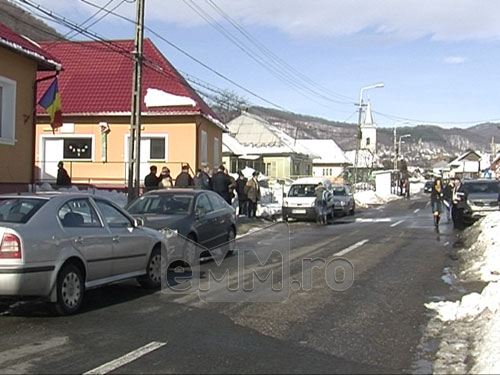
x=359, y=135
x=400, y=138
x=395, y=165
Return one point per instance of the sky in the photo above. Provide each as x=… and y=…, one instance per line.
x=438, y=59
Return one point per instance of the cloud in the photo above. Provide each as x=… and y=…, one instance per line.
x=454, y=60
x=444, y=20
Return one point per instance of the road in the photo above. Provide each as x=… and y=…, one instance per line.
x=365, y=315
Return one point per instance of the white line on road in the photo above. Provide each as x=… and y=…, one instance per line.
x=396, y=223
x=127, y=358
x=351, y=248
x=418, y=209
x=372, y=220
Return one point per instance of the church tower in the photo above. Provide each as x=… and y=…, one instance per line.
x=369, y=132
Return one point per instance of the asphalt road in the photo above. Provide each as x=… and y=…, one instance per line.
x=343, y=298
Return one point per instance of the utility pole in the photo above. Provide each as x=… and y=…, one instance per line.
x=395, y=150
x=134, y=159
x=358, y=142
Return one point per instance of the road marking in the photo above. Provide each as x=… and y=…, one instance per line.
x=351, y=248
x=126, y=359
x=30, y=350
x=371, y=220
x=396, y=223
x=418, y=209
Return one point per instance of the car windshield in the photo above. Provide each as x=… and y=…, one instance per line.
x=19, y=210
x=482, y=187
x=162, y=204
x=339, y=190
x=305, y=190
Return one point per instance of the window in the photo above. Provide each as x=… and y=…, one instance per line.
x=7, y=110
x=19, y=210
x=157, y=149
x=77, y=148
x=204, y=147
x=112, y=216
x=78, y=213
x=368, y=141
x=203, y=206
x=216, y=151
x=217, y=202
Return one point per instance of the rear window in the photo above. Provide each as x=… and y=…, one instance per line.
x=339, y=190
x=482, y=187
x=302, y=190
x=19, y=210
x=161, y=204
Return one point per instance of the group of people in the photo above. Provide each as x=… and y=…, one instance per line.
x=453, y=196
x=248, y=190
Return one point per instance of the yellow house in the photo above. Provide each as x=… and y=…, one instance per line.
x=20, y=59
x=178, y=127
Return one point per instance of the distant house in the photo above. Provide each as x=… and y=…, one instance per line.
x=20, y=59
x=468, y=165
x=495, y=167
x=237, y=157
x=281, y=156
x=328, y=158
x=96, y=90
x=441, y=169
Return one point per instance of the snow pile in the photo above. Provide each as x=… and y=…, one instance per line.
x=475, y=319
x=115, y=196
x=370, y=197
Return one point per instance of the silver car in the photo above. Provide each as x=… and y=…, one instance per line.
x=59, y=245
x=343, y=200
x=483, y=197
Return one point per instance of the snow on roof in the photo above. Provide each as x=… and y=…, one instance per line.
x=231, y=145
x=324, y=151
x=264, y=138
x=25, y=46
x=160, y=98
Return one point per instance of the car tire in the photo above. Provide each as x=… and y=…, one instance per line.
x=70, y=290
x=154, y=270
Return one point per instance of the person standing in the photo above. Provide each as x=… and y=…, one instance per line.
x=151, y=180
x=63, y=178
x=459, y=204
x=241, y=182
x=184, y=179
x=202, y=179
x=220, y=184
x=320, y=202
x=253, y=194
x=165, y=179
x=437, y=201
x=447, y=199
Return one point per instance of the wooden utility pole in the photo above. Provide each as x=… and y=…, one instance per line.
x=134, y=159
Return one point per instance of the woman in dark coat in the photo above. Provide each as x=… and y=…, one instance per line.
x=437, y=195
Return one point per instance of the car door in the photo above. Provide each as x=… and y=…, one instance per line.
x=131, y=245
x=222, y=218
x=205, y=222
x=87, y=233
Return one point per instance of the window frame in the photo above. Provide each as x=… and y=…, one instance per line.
x=8, y=111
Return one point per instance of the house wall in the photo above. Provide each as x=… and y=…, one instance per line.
x=17, y=158
x=212, y=132
x=287, y=166
x=111, y=168
x=328, y=170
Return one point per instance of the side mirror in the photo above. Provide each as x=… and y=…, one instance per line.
x=139, y=222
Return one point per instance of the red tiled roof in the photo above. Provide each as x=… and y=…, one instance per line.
x=97, y=79
x=20, y=44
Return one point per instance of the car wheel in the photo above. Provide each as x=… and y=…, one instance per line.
x=70, y=290
x=230, y=245
x=154, y=269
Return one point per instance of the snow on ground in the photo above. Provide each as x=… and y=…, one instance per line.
x=369, y=197
x=470, y=327
x=113, y=195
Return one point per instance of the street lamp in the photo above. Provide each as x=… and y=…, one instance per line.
x=400, y=138
x=359, y=135
x=395, y=142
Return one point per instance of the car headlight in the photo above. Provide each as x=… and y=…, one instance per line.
x=169, y=233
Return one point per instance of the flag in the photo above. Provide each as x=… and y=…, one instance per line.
x=51, y=101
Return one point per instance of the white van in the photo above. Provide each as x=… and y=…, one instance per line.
x=300, y=202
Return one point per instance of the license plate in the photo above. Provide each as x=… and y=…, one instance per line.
x=301, y=211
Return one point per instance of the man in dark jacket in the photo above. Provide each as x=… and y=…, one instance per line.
x=184, y=180
x=63, y=178
x=241, y=182
x=220, y=184
x=202, y=179
x=460, y=195
x=151, y=180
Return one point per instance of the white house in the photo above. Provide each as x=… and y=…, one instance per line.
x=469, y=165
x=328, y=158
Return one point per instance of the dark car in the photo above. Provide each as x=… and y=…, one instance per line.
x=483, y=197
x=196, y=216
x=428, y=187
x=343, y=200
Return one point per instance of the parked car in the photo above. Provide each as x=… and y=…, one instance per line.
x=196, y=216
x=428, y=186
x=59, y=245
x=343, y=200
x=483, y=197
x=300, y=201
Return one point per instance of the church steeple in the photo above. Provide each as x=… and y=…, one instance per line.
x=369, y=131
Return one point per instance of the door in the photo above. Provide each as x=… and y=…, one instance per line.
x=205, y=222
x=131, y=245
x=52, y=154
x=88, y=235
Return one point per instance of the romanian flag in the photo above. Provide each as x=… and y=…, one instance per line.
x=51, y=101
